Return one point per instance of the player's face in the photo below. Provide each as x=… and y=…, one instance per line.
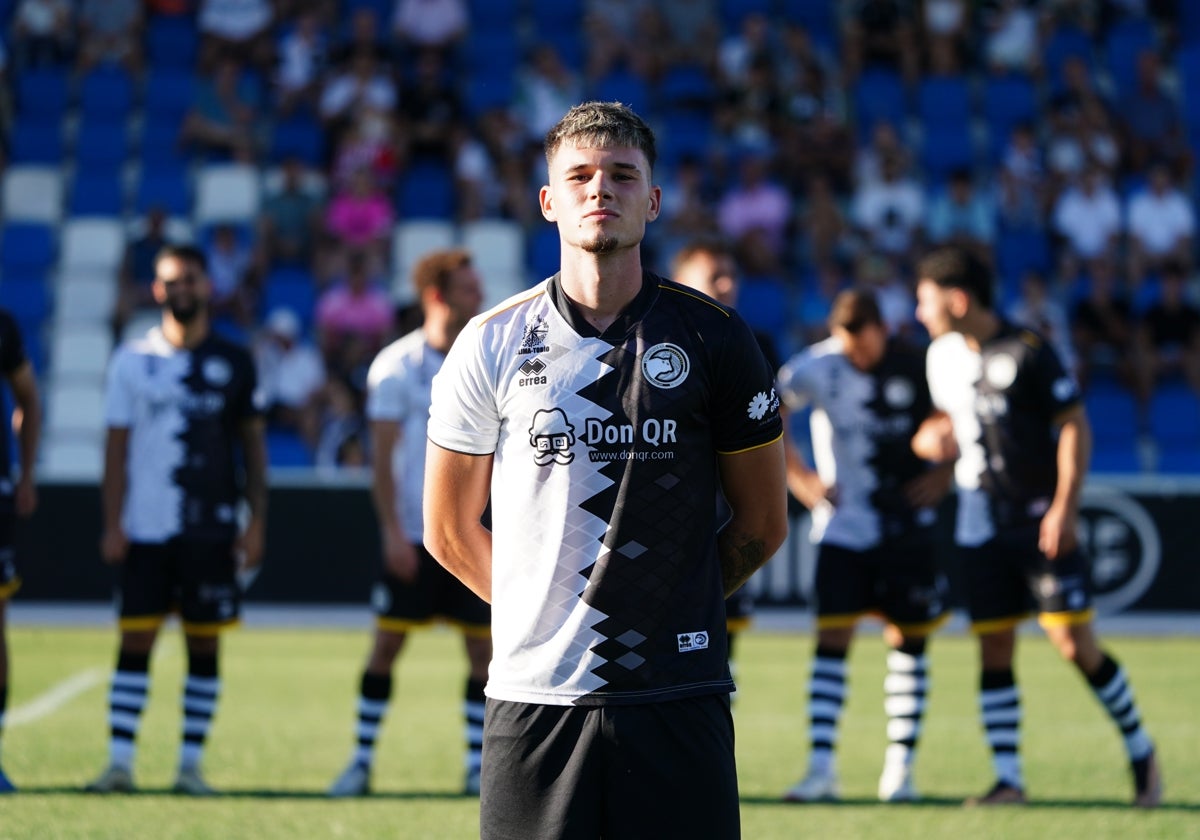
x=180, y=287
x=933, y=308
x=715, y=276
x=463, y=295
x=864, y=346
x=601, y=199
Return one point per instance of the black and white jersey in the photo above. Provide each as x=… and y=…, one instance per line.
x=1003, y=401
x=862, y=424
x=398, y=386
x=606, y=586
x=183, y=409
x=12, y=356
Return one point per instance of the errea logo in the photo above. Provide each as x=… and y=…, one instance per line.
x=689, y=642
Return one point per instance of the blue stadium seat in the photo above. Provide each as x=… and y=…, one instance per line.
x=820, y=19
x=1175, y=416
x=1179, y=461
x=106, y=91
x=545, y=252
x=1008, y=100
x=381, y=8
x=485, y=92
x=945, y=149
x=733, y=12
x=1019, y=251
x=492, y=14
x=172, y=42
x=764, y=304
x=878, y=96
x=1065, y=41
x=27, y=248
x=294, y=289
x=166, y=187
x=1187, y=23
x=26, y=297
x=623, y=86
x=169, y=93
x=1116, y=457
x=287, y=449
x=552, y=18
x=490, y=51
x=426, y=191
x=43, y=93
x=943, y=101
x=685, y=86
x=685, y=133
x=1125, y=40
x=96, y=193
x=1112, y=411
x=298, y=135
x=101, y=143
x=37, y=142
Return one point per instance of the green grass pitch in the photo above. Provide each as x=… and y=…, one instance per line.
x=285, y=726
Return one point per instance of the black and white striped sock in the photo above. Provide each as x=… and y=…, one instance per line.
x=126, y=700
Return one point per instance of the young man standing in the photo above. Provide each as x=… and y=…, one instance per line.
x=414, y=588
x=17, y=498
x=1015, y=425
x=180, y=405
x=603, y=410
x=873, y=508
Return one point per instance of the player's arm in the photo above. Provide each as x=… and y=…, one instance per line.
x=456, y=493
x=802, y=480
x=398, y=554
x=252, y=431
x=27, y=425
x=1057, y=534
x=113, y=541
x=934, y=440
x=754, y=483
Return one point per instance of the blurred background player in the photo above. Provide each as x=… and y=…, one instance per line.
x=182, y=415
x=414, y=588
x=1015, y=427
x=873, y=510
x=20, y=496
x=708, y=266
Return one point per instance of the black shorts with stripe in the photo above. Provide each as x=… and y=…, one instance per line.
x=1009, y=577
x=434, y=595
x=900, y=581
x=649, y=771
x=194, y=577
x=10, y=577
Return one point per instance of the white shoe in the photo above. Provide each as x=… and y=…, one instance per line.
x=114, y=779
x=190, y=783
x=354, y=781
x=896, y=784
x=815, y=787
x=471, y=785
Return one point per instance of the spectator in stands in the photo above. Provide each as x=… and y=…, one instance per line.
x=291, y=374
x=884, y=144
x=430, y=24
x=42, y=33
x=1087, y=217
x=1036, y=308
x=110, y=31
x=750, y=111
x=360, y=218
x=822, y=145
x=1150, y=121
x=303, y=55
x=488, y=185
x=881, y=33
x=363, y=86
x=1160, y=222
x=815, y=303
x=238, y=29
x=889, y=214
x=1021, y=178
x=1167, y=337
x=225, y=114
x=826, y=234
x=353, y=318
x=364, y=35
x=945, y=27
x=741, y=50
x=235, y=283
x=1102, y=328
x=430, y=109
x=895, y=296
x=341, y=441
x=687, y=30
x=1011, y=39
x=804, y=63
x=289, y=223
x=614, y=32
x=755, y=203
x=136, y=275
x=546, y=89
x=963, y=216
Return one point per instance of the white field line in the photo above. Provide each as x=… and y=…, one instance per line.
x=57, y=696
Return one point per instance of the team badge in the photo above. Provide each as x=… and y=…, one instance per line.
x=665, y=365
x=1000, y=370
x=898, y=392
x=533, y=339
x=216, y=371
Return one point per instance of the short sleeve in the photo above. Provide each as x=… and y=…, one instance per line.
x=795, y=381
x=463, y=415
x=385, y=395
x=119, y=397
x=745, y=405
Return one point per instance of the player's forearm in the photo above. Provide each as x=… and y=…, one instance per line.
x=383, y=497
x=465, y=551
x=112, y=488
x=1074, y=453
x=744, y=550
x=28, y=422
x=255, y=454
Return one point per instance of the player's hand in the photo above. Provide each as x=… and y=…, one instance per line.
x=811, y=490
x=248, y=547
x=930, y=487
x=934, y=440
x=114, y=545
x=26, y=497
x=1057, y=535
x=399, y=556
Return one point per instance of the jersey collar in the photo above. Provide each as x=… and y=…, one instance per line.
x=631, y=315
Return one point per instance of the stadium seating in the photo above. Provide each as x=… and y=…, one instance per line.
x=426, y=191
x=33, y=194
x=411, y=240
x=226, y=193
x=106, y=92
x=27, y=248
x=92, y=243
x=878, y=96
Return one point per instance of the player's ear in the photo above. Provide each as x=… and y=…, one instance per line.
x=546, y=202
x=655, y=203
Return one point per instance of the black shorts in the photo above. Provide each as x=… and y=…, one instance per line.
x=435, y=594
x=1008, y=578
x=10, y=579
x=653, y=771
x=197, y=578
x=899, y=581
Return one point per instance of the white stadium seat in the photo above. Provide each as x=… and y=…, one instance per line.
x=91, y=244
x=411, y=241
x=72, y=456
x=226, y=192
x=88, y=297
x=33, y=194
x=75, y=408
x=81, y=351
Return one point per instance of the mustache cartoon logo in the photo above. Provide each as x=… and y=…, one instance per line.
x=551, y=435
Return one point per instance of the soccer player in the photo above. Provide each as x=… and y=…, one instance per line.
x=16, y=497
x=603, y=409
x=1015, y=420
x=708, y=266
x=180, y=408
x=873, y=511
x=414, y=588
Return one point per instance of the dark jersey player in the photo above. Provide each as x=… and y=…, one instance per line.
x=18, y=495
x=602, y=410
x=1014, y=423
x=180, y=409
x=873, y=511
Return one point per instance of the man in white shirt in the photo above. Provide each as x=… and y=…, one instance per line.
x=1160, y=222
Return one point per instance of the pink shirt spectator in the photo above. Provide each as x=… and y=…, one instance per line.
x=365, y=312
x=358, y=219
x=755, y=204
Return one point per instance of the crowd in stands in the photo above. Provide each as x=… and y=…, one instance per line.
x=831, y=143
